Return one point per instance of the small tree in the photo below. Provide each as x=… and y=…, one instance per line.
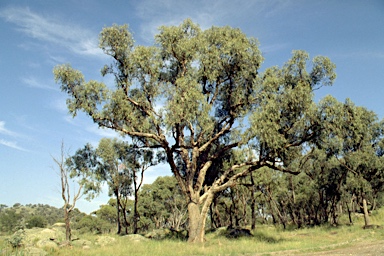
x=138, y=161
x=66, y=175
x=111, y=169
x=118, y=164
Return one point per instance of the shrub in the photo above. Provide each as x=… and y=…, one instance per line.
x=93, y=225
x=36, y=221
x=16, y=239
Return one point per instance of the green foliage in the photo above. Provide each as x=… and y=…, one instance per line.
x=163, y=204
x=83, y=166
x=118, y=164
x=36, y=221
x=107, y=213
x=16, y=240
x=10, y=219
x=287, y=115
x=94, y=225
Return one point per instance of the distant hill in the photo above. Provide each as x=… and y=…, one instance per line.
x=17, y=216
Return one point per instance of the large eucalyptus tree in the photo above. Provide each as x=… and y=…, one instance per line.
x=197, y=95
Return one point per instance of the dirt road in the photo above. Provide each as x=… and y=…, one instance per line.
x=375, y=248
x=366, y=248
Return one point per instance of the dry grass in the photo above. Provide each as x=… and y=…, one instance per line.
x=266, y=240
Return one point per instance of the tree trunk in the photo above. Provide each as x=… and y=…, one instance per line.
x=253, y=214
x=211, y=215
x=374, y=204
x=353, y=203
x=125, y=220
x=136, y=216
x=135, y=213
x=123, y=209
x=118, y=212
x=349, y=214
x=196, y=229
x=217, y=217
x=253, y=203
x=197, y=219
x=366, y=216
x=68, y=232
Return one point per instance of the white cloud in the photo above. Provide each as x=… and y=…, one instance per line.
x=34, y=83
x=70, y=36
x=7, y=143
x=11, y=144
x=206, y=13
x=53, y=60
x=102, y=132
x=60, y=105
x=5, y=131
x=162, y=13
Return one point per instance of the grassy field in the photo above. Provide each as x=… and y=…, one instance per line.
x=266, y=240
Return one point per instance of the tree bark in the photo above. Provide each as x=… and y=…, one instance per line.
x=67, y=219
x=253, y=204
x=118, y=212
x=349, y=214
x=137, y=186
x=197, y=219
x=366, y=216
x=135, y=213
x=195, y=225
x=125, y=221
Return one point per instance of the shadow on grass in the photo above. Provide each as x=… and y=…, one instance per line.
x=263, y=237
x=242, y=233
x=168, y=234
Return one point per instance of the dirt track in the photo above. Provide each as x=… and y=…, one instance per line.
x=363, y=249
x=375, y=248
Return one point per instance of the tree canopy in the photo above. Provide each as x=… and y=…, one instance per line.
x=198, y=95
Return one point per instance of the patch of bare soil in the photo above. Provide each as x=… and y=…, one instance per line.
x=375, y=248
x=371, y=248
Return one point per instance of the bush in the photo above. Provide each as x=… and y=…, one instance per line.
x=16, y=239
x=10, y=220
x=36, y=221
x=90, y=224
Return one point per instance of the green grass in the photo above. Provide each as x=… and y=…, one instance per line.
x=266, y=240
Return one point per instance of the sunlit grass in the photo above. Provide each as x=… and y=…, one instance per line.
x=265, y=240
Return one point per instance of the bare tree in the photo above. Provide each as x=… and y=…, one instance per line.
x=65, y=193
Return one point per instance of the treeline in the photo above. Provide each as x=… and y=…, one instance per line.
x=265, y=197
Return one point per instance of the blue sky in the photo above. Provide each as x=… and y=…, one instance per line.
x=37, y=35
